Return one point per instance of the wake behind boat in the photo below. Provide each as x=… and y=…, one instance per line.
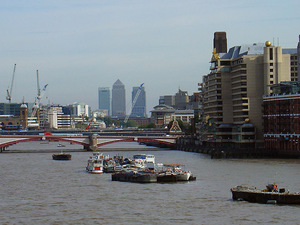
x=269, y=195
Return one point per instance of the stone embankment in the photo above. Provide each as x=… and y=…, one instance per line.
x=223, y=150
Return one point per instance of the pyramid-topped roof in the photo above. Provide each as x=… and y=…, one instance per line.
x=118, y=83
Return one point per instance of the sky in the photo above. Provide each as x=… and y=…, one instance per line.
x=80, y=45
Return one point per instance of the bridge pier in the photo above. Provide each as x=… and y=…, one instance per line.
x=93, y=141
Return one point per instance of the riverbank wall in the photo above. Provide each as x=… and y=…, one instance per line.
x=226, y=150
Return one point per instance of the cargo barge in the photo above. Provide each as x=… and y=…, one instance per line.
x=266, y=196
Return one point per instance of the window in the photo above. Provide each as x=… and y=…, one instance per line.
x=271, y=70
x=271, y=53
x=271, y=64
x=271, y=76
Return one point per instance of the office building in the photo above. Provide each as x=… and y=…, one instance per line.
x=104, y=99
x=139, y=107
x=118, y=99
x=167, y=100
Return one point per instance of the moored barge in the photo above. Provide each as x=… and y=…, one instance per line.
x=269, y=195
x=134, y=176
x=61, y=156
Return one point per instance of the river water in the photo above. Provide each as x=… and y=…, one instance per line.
x=38, y=190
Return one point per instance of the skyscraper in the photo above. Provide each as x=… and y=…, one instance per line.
x=104, y=99
x=118, y=99
x=139, y=108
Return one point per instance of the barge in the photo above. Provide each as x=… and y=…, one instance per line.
x=61, y=156
x=136, y=177
x=266, y=196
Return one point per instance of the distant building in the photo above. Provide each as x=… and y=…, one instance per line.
x=139, y=109
x=183, y=115
x=104, y=99
x=167, y=100
x=77, y=109
x=162, y=115
x=10, y=109
x=100, y=113
x=15, y=116
x=181, y=100
x=220, y=42
x=118, y=99
x=57, y=119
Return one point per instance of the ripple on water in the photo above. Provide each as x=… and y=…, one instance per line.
x=36, y=189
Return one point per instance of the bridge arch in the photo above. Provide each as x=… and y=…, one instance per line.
x=11, y=140
x=7, y=140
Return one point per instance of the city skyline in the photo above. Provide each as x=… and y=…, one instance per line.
x=79, y=46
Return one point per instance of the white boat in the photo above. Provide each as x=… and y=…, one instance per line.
x=147, y=161
x=60, y=145
x=95, y=163
x=178, y=171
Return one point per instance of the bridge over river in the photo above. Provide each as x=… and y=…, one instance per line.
x=90, y=142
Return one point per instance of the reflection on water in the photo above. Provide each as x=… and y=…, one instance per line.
x=36, y=189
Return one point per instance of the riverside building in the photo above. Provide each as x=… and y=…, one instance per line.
x=282, y=119
x=233, y=92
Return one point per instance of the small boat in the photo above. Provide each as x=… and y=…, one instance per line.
x=270, y=195
x=95, y=163
x=60, y=145
x=181, y=175
x=61, y=156
x=147, y=161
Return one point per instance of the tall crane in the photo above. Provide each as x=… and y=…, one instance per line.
x=40, y=93
x=133, y=102
x=9, y=90
x=38, y=86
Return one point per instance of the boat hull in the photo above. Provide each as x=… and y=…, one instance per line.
x=134, y=177
x=94, y=171
x=265, y=197
x=61, y=156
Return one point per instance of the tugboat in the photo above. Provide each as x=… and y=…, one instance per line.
x=270, y=195
x=95, y=163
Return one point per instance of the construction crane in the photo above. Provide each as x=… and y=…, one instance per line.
x=38, y=86
x=133, y=102
x=9, y=90
x=40, y=94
